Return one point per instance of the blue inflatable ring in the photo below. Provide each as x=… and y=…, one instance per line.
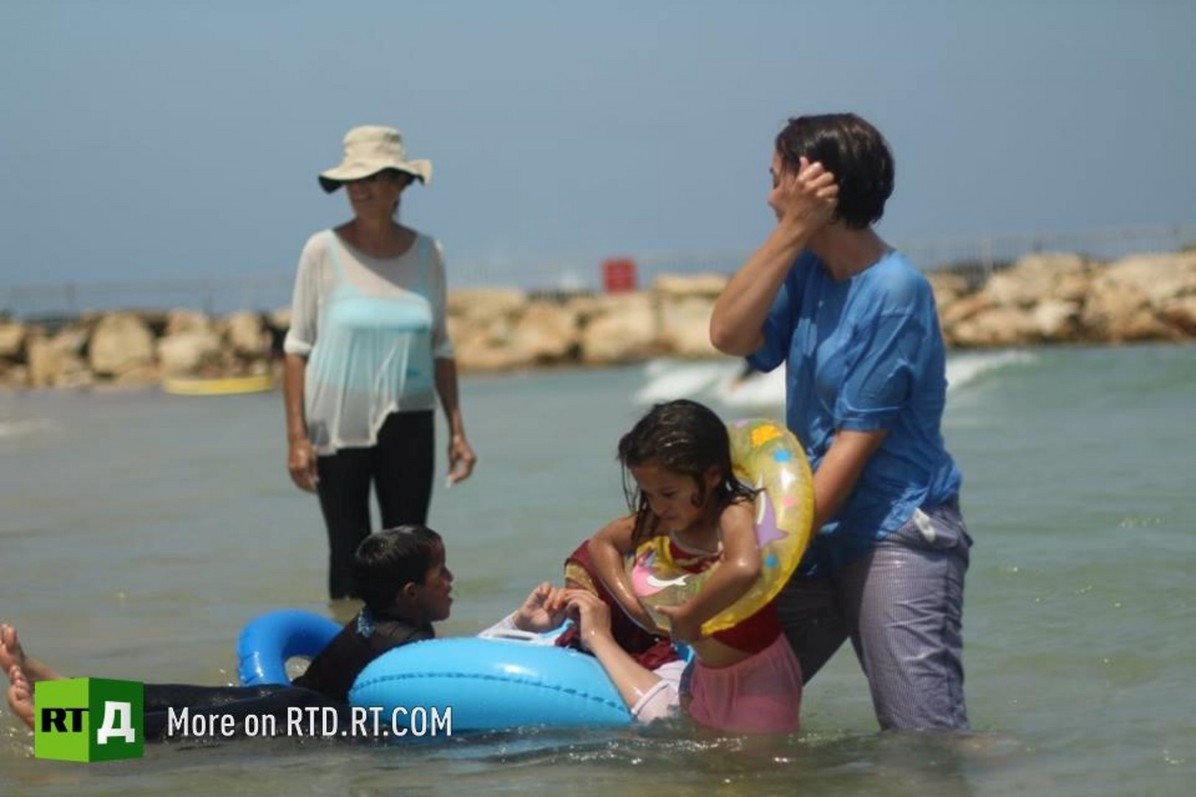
x=268, y=641
x=488, y=684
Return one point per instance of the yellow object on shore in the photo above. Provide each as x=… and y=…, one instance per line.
x=223, y=386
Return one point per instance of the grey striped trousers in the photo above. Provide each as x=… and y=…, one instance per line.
x=902, y=608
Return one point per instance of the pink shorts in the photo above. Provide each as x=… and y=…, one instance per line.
x=761, y=694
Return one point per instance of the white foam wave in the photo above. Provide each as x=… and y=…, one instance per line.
x=753, y=390
x=24, y=428
x=725, y=381
x=672, y=379
x=963, y=369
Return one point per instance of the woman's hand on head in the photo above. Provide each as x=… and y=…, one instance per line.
x=807, y=197
x=461, y=459
x=301, y=464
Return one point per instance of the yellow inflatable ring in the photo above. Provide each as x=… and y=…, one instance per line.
x=768, y=457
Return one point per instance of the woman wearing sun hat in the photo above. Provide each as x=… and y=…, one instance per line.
x=367, y=354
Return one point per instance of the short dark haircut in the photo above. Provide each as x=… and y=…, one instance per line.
x=684, y=437
x=386, y=562
x=852, y=150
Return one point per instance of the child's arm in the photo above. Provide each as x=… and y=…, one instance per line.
x=609, y=548
x=732, y=576
x=542, y=610
x=647, y=695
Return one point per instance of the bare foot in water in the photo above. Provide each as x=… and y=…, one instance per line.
x=11, y=653
x=20, y=695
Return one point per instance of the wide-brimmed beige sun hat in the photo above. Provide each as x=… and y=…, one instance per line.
x=368, y=150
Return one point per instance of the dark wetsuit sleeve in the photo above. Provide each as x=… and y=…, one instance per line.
x=167, y=704
x=160, y=697
x=325, y=684
x=328, y=672
x=390, y=634
x=333, y=672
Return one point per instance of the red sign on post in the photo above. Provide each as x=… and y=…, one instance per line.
x=618, y=275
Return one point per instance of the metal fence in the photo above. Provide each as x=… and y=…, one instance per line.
x=974, y=257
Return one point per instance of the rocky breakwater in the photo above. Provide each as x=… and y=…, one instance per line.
x=1067, y=298
x=134, y=348
x=502, y=329
x=1040, y=299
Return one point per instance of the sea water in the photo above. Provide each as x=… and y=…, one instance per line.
x=140, y=531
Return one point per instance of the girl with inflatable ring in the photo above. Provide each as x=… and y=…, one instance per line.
x=745, y=679
x=855, y=325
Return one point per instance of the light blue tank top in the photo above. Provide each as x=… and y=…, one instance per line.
x=373, y=357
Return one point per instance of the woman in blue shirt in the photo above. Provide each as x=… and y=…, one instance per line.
x=856, y=327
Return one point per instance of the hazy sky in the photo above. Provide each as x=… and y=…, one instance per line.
x=152, y=138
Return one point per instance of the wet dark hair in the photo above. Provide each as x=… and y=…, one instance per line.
x=386, y=562
x=852, y=150
x=687, y=438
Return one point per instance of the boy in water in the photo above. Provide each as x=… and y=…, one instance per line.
x=406, y=587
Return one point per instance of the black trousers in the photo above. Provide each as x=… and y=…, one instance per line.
x=400, y=468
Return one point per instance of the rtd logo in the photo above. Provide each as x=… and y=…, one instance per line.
x=67, y=712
